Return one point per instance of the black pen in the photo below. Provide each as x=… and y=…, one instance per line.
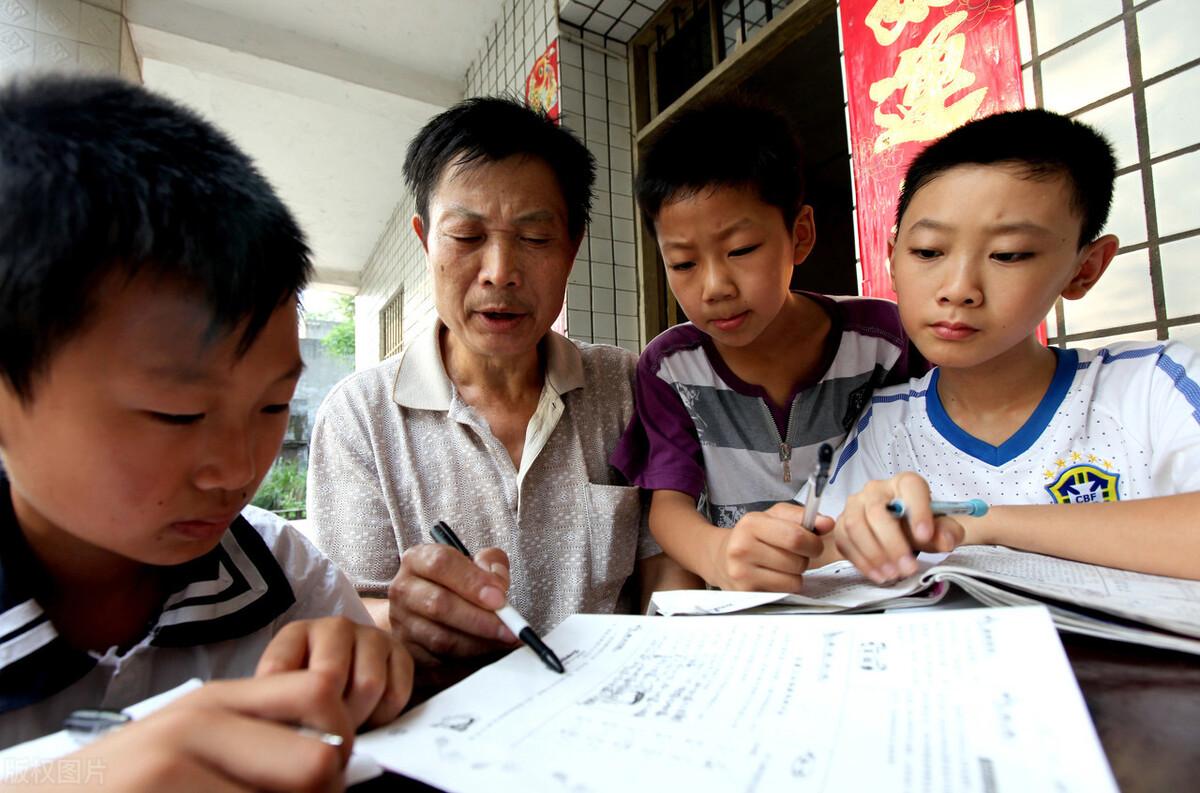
x=86, y=724
x=816, y=485
x=444, y=535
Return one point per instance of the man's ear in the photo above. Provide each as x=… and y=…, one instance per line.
x=1093, y=260
x=804, y=234
x=419, y=229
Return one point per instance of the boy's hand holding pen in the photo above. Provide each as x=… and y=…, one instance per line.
x=885, y=524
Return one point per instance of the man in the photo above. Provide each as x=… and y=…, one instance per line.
x=490, y=421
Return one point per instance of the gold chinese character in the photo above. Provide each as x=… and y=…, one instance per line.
x=898, y=13
x=929, y=74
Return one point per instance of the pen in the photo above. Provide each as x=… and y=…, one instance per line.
x=443, y=534
x=87, y=724
x=816, y=486
x=975, y=508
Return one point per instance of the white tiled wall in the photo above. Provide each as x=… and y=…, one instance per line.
x=70, y=35
x=602, y=294
x=398, y=261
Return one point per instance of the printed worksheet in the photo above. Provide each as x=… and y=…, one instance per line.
x=970, y=700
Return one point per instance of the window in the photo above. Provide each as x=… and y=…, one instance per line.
x=1131, y=69
x=391, y=326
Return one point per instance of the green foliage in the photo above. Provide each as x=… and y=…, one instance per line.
x=283, y=490
x=340, y=341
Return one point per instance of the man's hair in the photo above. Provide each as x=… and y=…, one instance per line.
x=101, y=178
x=1041, y=145
x=730, y=142
x=494, y=128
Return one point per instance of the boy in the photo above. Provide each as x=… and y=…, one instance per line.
x=995, y=222
x=148, y=287
x=734, y=405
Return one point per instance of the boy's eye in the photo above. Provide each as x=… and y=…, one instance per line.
x=924, y=254
x=681, y=266
x=466, y=238
x=176, y=419
x=1010, y=257
x=536, y=240
x=744, y=251
x=276, y=409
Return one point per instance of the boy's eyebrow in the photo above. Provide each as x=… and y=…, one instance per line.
x=192, y=375
x=726, y=231
x=996, y=228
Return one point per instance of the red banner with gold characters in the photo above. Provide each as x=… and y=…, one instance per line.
x=916, y=69
x=541, y=86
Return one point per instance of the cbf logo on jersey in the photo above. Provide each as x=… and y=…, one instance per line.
x=1083, y=484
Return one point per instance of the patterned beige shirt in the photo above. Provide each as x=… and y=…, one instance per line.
x=395, y=449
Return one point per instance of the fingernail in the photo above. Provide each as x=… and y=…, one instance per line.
x=499, y=570
x=505, y=635
x=491, y=597
x=889, y=572
x=908, y=565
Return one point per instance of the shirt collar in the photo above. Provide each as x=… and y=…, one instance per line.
x=422, y=383
x=234, y=590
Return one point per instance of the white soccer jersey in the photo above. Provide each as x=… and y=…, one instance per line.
x=1116, y=423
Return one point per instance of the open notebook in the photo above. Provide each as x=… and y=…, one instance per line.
x=1098, y=601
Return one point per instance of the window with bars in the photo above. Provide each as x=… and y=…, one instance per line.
x=391, y=326
x=1131, y=69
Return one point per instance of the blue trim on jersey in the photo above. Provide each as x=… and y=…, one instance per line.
x=859, y=428
x=1022, y=439
x=1184, y=384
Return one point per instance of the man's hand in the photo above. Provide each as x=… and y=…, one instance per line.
x=768, y=551
x=442, y=604
x=881, y=545
x=372, y=670
x=235, y=735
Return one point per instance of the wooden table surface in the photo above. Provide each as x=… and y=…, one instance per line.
x=1145, y=704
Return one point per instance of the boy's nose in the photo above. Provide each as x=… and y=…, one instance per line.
x=960, y=287
x=229, y=464
x=717, y=283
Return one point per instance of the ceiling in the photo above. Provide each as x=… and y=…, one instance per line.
x=323, y=95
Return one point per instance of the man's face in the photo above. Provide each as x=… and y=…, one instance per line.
x=144, y=438
x=499, y=252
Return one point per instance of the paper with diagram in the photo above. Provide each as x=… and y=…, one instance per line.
x=980, y=699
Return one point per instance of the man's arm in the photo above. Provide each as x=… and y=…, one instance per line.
x=659, y=573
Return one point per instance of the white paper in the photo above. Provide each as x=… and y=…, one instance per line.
x=979, y=699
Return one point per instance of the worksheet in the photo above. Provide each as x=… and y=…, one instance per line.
x=968, y=700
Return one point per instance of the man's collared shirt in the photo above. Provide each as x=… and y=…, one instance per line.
x=227, y=607
x=395, y=449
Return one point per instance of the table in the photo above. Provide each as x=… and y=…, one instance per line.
x=1146, y=707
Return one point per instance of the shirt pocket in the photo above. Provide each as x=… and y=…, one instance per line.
x=614, y=519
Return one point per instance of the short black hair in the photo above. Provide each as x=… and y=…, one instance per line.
x=1041, y=144
x=494, y=128
x=100, y=177
x=728, y=142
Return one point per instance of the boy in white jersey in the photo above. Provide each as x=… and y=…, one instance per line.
x=1091, y=455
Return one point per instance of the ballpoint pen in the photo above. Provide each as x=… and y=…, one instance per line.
x=87, y=724
x=816, y=486
x=444, y=535
x=975, y=508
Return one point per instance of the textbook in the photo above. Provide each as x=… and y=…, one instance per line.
x=951, y=700
x=1082, y=598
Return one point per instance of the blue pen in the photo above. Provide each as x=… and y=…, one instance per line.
x=975, y=508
